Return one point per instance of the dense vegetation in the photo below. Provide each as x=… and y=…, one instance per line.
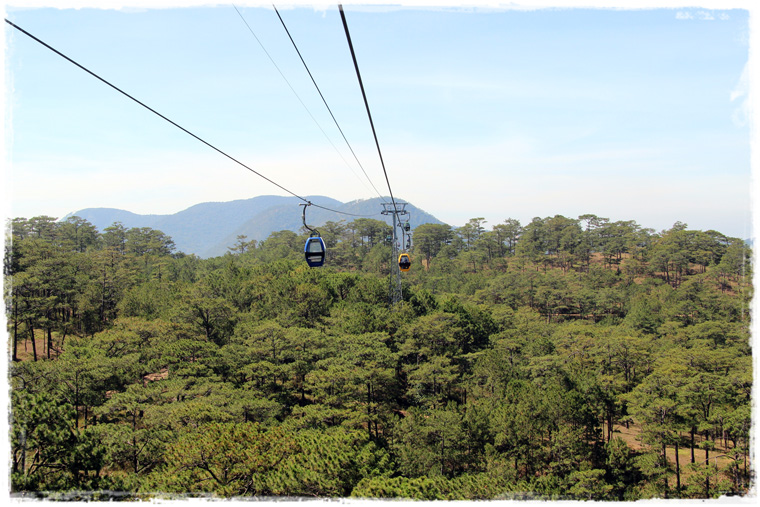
x=567, y=358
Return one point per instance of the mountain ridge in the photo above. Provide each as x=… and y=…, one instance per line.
x=207, y=229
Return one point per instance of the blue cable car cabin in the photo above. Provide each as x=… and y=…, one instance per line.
x=314, y=251
x=404, y=262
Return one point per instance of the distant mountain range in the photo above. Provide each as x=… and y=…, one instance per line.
x=208, y=229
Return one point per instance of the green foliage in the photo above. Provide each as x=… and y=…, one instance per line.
x=588, y=485
x=327, y=464
x=505, y=373
x=225, y=459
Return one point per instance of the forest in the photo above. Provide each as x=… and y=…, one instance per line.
x=567, y=358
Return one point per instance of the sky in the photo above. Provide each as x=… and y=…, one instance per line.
x=638, y=112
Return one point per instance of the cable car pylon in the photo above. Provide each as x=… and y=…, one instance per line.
x=396, y=210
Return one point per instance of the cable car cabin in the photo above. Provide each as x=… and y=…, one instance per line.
x=404, y=262
x=314, y=251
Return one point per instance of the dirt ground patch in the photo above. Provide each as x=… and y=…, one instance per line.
x=25, y=352
x=717, y=455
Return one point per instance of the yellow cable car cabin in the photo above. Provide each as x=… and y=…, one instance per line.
x=404, y=262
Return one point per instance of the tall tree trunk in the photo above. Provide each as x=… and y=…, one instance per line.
x=678, y=471
x=49, y=341
x=665, y=464
x=63, y=339
x=34, y=342
x=609, y=424
x=15, y=333
x=707, y=467
x=693, y=431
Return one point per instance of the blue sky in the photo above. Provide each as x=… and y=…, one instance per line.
x=634, y=113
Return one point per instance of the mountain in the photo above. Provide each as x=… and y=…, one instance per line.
x=209, y=228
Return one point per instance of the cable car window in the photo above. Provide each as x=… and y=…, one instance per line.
x=315, y=246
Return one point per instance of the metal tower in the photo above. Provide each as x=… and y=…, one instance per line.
x=394, y=280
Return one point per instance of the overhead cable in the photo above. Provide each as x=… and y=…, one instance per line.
x=324, y=100
x=366, y=104
x=173, y=123
x=299, y=98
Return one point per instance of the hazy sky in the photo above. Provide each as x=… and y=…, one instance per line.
x=637, y=113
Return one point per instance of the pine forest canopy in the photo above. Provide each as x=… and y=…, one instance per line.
x=559, y=359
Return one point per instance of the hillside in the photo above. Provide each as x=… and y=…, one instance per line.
x=564, y=359
x=208, y=229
